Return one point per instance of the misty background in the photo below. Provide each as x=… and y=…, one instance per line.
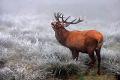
x=27, y=40
x=96, y=9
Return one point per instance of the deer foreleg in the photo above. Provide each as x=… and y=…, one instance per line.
x=75, y=54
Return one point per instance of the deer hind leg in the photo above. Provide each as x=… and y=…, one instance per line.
x=91, y=55
x=75, y=54
x=93, y=60
x=99, y=59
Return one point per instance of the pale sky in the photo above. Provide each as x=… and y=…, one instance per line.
x=94, y=9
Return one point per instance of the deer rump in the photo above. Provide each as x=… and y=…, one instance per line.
x=84, y=41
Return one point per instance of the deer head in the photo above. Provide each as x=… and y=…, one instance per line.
x=61, y=22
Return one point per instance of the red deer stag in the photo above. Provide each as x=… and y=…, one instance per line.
x=88, y=41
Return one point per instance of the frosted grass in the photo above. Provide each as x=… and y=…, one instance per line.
x=27, y=42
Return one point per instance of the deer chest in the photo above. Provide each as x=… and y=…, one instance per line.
x=60, y=39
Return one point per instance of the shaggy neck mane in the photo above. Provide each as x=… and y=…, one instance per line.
x=61, y=35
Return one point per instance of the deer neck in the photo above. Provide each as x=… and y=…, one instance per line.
x=61, y=35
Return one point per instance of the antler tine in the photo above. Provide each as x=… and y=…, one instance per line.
x=79, y=20
x=55, y=16
x=73, y=22
x=58, y=15
x=62, y=18
x=67, y=18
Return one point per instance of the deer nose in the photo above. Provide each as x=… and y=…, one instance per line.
x=52, y=25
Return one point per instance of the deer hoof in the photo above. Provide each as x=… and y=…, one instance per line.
x=98, y=72
x=91, y=64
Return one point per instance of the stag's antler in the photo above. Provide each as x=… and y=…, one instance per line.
x=60, y=15
x=75, y=21
x=57, y=16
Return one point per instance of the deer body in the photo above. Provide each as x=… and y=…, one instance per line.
x=88, y=41
x=82, y=39
x=79, y=40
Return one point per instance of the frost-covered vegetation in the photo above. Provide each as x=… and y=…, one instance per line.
x=31, y=52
